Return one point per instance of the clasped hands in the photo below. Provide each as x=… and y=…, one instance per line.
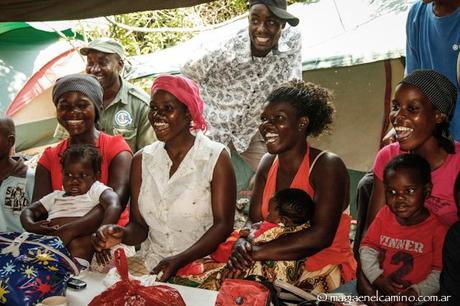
x=108, y=236
x=241, y=258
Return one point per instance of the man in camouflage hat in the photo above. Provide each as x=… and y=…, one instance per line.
x=125, y=107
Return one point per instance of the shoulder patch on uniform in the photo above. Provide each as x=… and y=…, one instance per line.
x=123, y=118
x=140, y=94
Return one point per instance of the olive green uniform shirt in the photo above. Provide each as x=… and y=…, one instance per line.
x=127, y=115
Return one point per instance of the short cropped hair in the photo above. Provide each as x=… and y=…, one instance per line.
x=410, y=161
x=7, y=127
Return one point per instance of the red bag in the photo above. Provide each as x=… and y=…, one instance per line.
x=131, y=292
x=237, y=292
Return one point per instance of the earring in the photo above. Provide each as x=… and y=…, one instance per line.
x=301, y=127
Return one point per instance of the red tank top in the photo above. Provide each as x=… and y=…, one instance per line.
x=339, y=253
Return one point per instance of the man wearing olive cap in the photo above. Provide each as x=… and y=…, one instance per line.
x=236, y=78
x=125, y=107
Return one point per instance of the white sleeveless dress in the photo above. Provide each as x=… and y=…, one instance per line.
x=177, y=210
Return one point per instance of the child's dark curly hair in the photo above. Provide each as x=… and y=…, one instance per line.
x=295, y=205
x=82, y=152
x=310, y=100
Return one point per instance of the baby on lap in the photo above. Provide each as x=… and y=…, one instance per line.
x=290, y=210
x=81, y=166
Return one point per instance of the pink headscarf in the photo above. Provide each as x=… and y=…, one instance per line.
x=187, y=92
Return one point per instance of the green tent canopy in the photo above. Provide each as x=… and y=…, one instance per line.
x=32, y=57
x=355, y=48
x=47, y=10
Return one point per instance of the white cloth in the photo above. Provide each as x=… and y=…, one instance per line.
x=177, y=210
x=59, y=205
x=235, y=85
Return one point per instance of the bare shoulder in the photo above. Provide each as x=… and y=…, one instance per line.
x=223, y=164
x=264, y=165
x=326, y=159
x=327, y=164
x=329, y=178
x=137, y=161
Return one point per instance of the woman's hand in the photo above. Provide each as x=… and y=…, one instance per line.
x=223, y=191
x=241, y=257
x=232, y=273
x=107, y=236
x=103, y=257
x=168, y=267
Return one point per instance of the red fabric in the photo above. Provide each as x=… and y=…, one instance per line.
x=224, y=250
x=108, y=146
x=339, y=253
x=67, y=62
x=131, y=292
x=410, y=252
x=194, y=268
x=301, y=181
x=187, y=92
x=441, y=201
x=242, y=292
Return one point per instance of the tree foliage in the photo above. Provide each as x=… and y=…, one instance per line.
x=137, y=43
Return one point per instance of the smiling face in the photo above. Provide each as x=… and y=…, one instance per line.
x=413, y=117
x=264, y=30
x=77, y=176
x=168, y=116
x=405, y=194
x=75, y=112
x=105, y=67
x=281, y=128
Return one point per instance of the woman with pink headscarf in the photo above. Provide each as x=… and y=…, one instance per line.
x=183, y=186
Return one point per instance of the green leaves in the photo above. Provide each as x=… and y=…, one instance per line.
x=139, y=42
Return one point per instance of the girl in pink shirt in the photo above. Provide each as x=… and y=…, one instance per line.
x=422, y=109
